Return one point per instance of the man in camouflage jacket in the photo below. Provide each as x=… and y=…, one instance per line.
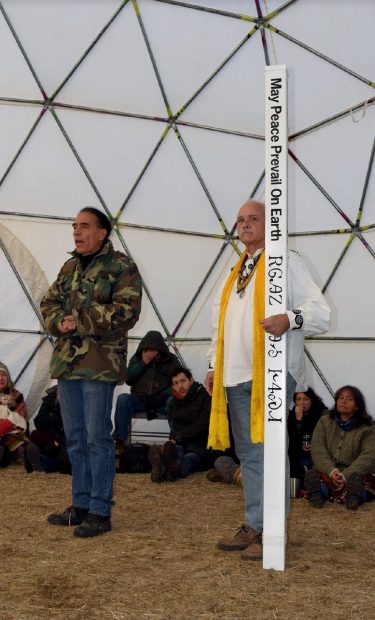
x=91, y=306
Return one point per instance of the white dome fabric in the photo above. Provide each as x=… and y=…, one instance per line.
x=153, y=111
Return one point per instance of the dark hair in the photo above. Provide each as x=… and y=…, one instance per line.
x=316, y=401
x=102, y=219
x=359, y=400
x=179, y=369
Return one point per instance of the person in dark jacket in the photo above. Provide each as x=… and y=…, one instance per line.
x=302, y=419
x=189, y=416
x=47, y=448
x=149, y=377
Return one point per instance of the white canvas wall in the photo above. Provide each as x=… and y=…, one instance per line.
x=153, y=112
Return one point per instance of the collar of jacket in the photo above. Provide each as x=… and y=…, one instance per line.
x=107, y=248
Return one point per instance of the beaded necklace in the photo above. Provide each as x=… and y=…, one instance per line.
x=246, y=273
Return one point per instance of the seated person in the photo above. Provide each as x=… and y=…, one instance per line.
x=47, y=448
x=226, y=469
x=302, y=419
x=13, y=419
x=189, y=415
x=227, y=465
x=148, y=375
x=343, y=451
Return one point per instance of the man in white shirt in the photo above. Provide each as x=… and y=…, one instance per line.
x=233, y=326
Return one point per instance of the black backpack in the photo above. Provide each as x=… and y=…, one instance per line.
x=134, y=459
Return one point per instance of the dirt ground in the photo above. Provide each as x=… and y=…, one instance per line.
x=160, y=561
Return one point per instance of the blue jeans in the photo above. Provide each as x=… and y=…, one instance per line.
x=189, y=463
x=86, y=408
x=250, y=454
x=126, y=406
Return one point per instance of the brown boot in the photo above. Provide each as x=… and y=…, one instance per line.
x=254, y=551
x=157, y=468
x=237, y=477
x=244, y=537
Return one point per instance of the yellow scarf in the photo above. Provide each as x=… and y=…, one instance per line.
x=218, y=437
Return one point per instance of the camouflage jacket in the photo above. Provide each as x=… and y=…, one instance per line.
x=105, y=300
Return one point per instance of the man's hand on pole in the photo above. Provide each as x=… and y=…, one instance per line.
x=276, y=325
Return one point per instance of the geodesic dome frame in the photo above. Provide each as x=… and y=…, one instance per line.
x=154, y=112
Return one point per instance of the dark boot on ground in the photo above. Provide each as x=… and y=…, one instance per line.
x=170, y=459
x=354, y=489
x=93, y=525
x=312, y=486
x=157, y=466
x=70, y=516
x=32, y=458
x=213, y=476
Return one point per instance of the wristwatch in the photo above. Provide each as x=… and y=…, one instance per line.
x=298, y=319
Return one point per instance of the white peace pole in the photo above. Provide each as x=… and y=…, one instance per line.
x=275, y=446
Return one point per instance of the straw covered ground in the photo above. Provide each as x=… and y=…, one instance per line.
x=160, y=560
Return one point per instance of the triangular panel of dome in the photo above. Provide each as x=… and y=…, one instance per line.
x=110, y=78
x=16, y=78
x=16, y=349
x=345, y=363
x=353, y=279
x=234, y=99
x=230, y=165
x=320, y=253
x=15, y=124
x=347, y=149
x=46, y=178
x=308, y=208
x=314, y=80
x=186, y=57
x=56, y=23
x=312, y=23
x=194, y=355
x=197, y=323
x=170, y=194
x=317, y=371
x=114, y=148
x=172, y=268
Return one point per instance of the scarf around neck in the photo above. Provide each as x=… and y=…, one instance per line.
x=219, y=427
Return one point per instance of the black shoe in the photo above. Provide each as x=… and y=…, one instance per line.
x=312, y=486
x=157, y=466
x=70, y=516
x=32, y=460
x=93, y=525
x=170, y=459
x=354, y=488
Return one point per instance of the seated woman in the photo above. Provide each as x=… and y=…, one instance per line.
x=302, y=419
x=343, y=451
x=13, y=419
